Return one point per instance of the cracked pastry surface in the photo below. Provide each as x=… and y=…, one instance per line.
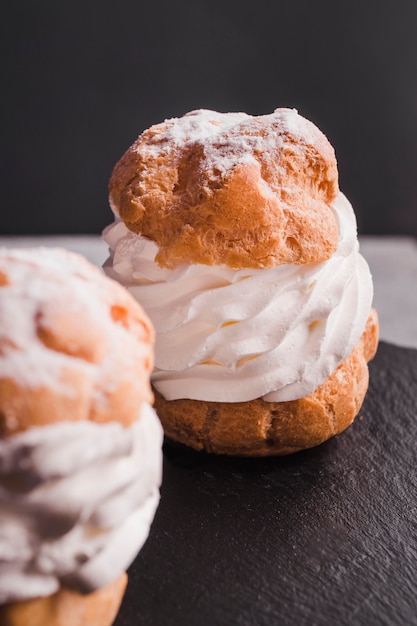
x=73, y=344
x=230, y=188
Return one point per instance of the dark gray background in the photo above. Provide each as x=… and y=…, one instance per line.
x=82, y=79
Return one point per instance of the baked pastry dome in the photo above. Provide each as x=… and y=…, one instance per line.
x=230, y=188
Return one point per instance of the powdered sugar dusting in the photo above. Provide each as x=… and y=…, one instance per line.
x=227, y=139
x=54, y=288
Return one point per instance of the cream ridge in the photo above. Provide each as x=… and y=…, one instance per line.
x=76, y=503
x=236, y=335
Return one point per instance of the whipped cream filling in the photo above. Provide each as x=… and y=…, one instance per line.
x=236, y=335
x=76, y=503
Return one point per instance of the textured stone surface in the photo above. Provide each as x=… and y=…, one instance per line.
x=325, y=536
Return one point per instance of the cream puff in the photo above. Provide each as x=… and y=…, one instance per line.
x=80, y=444
x=232, y=232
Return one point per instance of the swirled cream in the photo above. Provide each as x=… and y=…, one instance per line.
x=235, y=335
x=76, y=503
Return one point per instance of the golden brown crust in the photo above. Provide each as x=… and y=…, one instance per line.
x=257, y=194
x=74, y=345
x=90, y=336
x=67, y=608
x=259, y=428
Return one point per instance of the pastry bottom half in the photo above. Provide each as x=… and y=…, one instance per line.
x=68, y=608
x=259, y=428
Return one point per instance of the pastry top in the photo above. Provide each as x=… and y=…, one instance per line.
x=230, y=189
x=74, y=345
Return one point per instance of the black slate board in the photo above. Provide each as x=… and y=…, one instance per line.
x=324, y=537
